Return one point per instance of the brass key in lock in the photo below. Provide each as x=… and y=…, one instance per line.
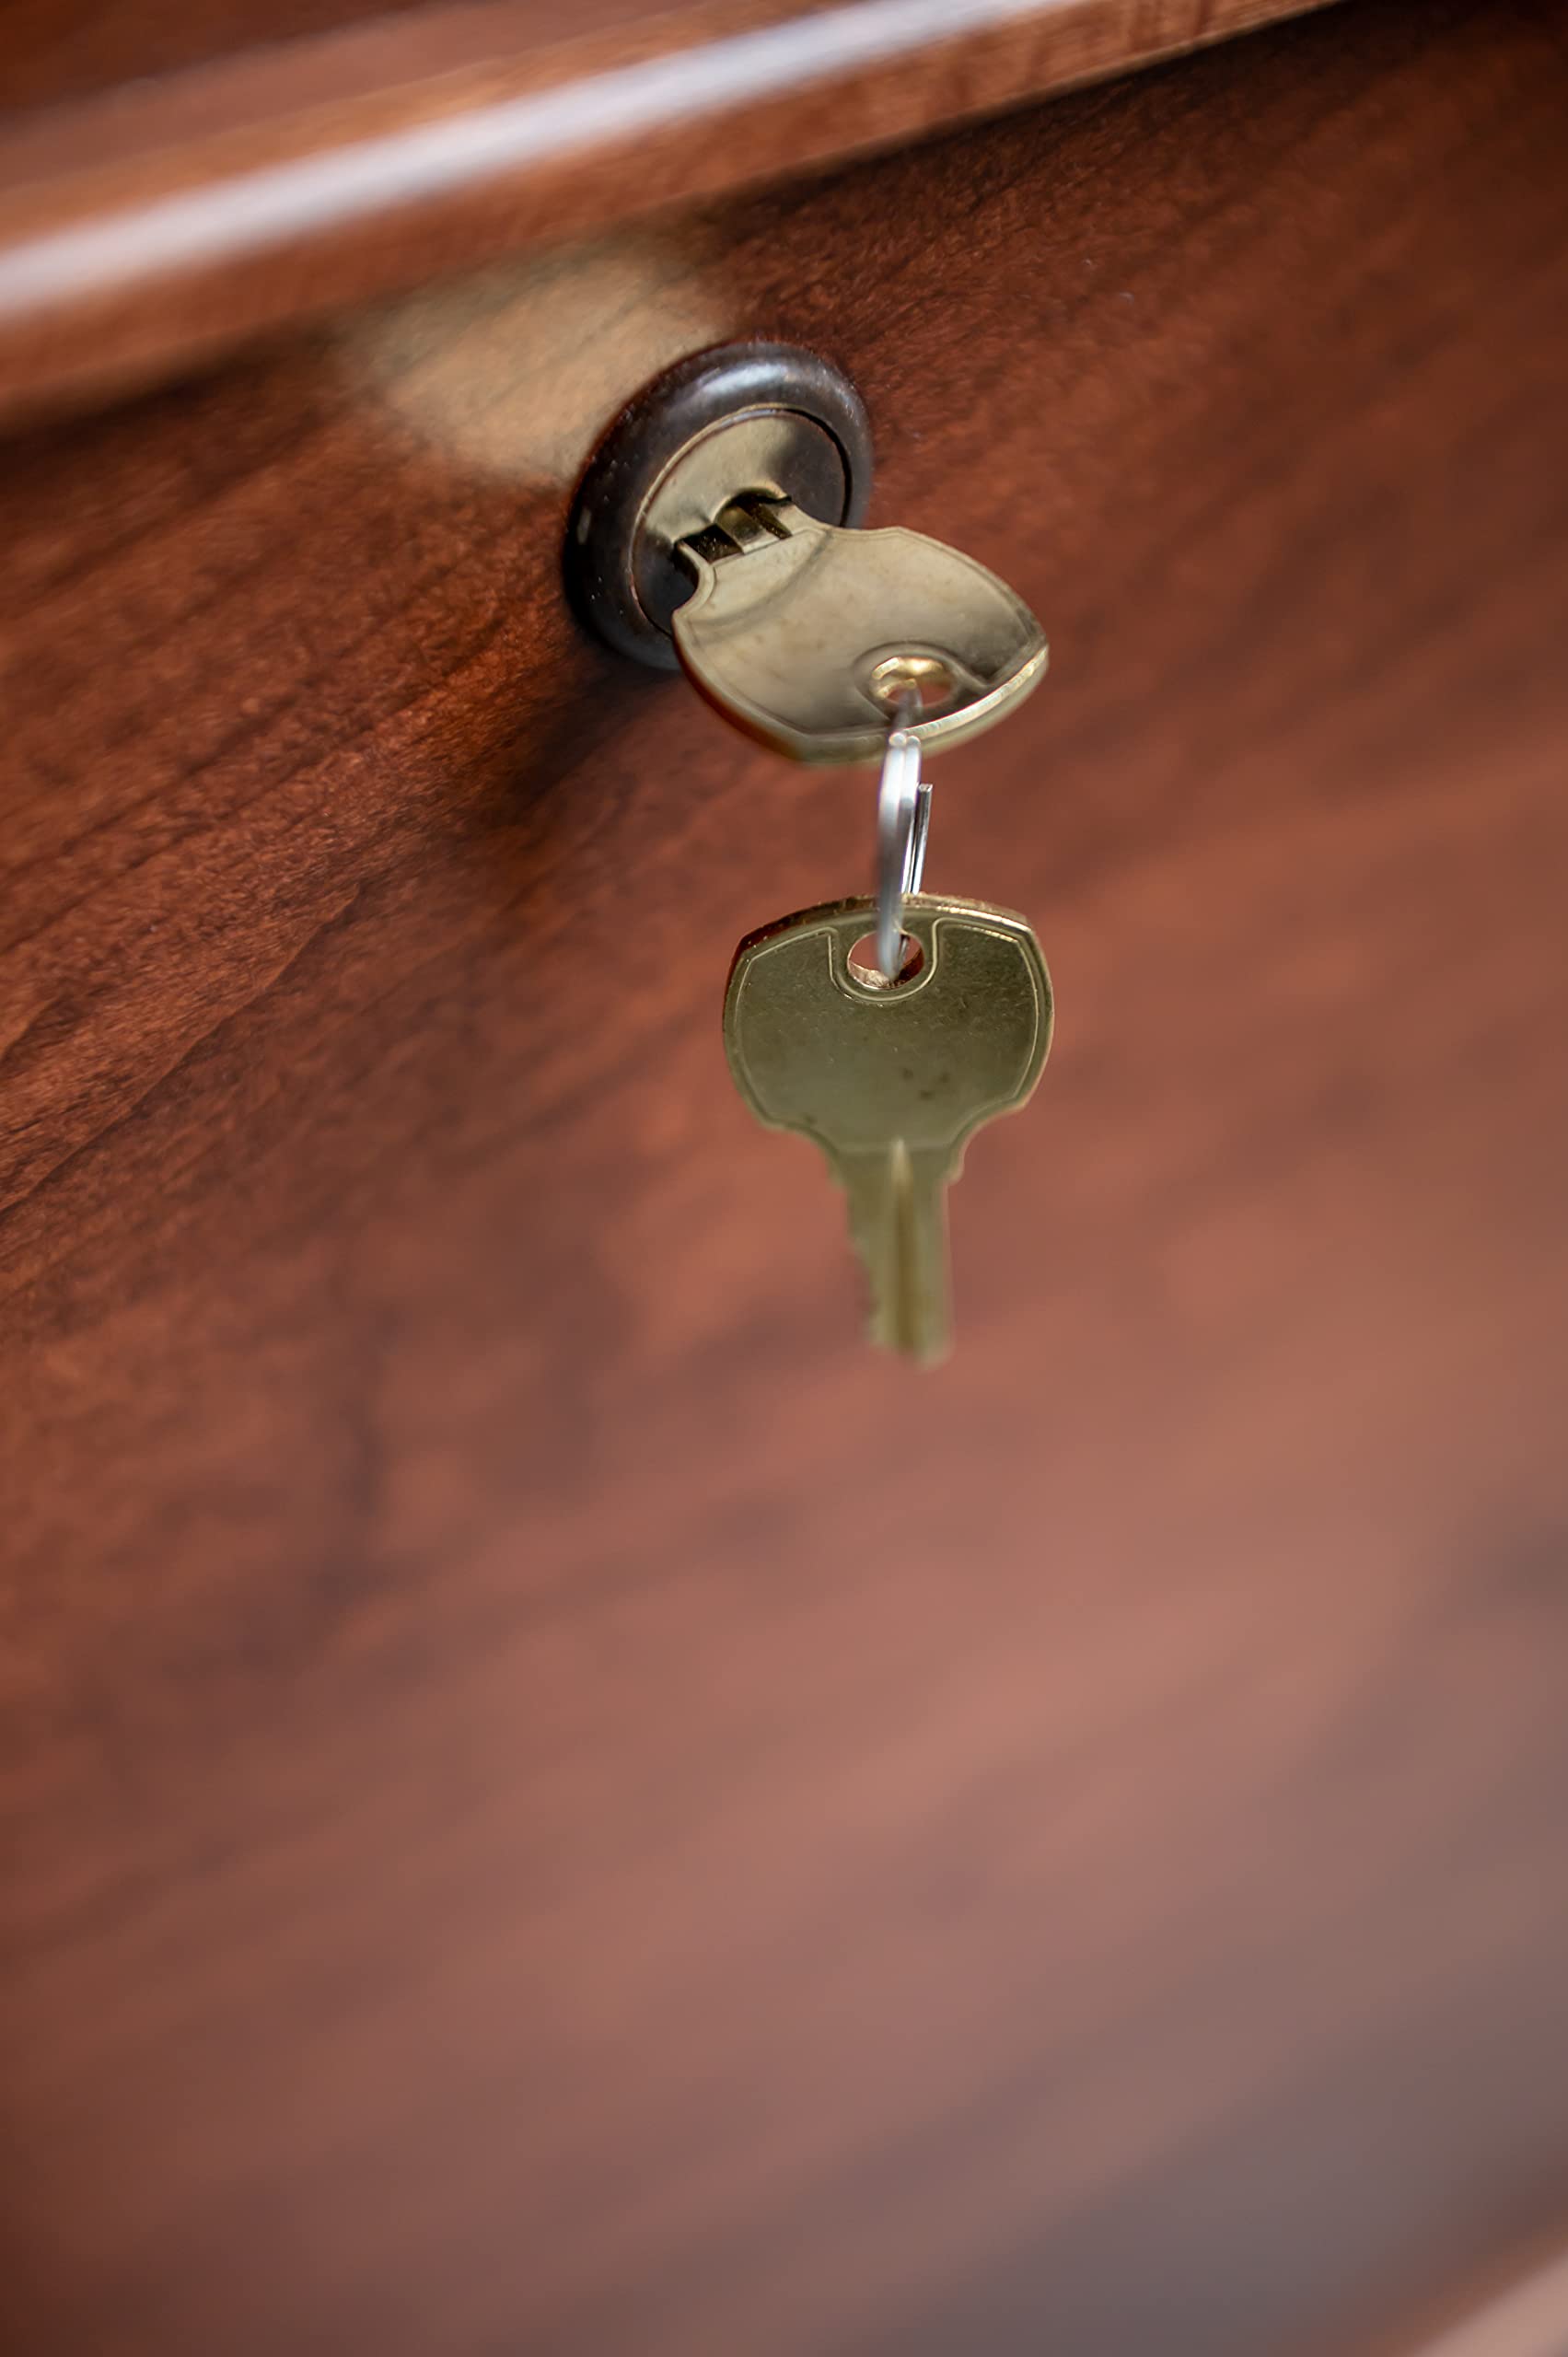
x=891, y=1080
x=818, y=640
x=718, y=525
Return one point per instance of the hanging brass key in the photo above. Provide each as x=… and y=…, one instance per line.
x=891, y=1080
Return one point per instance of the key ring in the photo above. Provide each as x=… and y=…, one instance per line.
x=904, y=821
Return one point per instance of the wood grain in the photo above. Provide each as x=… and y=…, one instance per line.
x=551, y=1801
x=170, y=219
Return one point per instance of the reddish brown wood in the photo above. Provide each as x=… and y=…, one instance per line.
x=1519, y=2309
x=61, y=50
x=170, y=219
x=551, y=1801
x=76, y=48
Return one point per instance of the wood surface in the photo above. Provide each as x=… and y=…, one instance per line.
x=1524, y=2313
x=63, y=50
x=171, y=217
x=553, y=1803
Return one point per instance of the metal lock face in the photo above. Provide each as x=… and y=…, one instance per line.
x=744, y=418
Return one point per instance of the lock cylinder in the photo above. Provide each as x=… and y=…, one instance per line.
x=761, y=419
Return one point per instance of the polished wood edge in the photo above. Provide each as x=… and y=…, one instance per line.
x=165, y=222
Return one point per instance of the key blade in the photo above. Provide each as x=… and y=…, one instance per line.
x=897, y=1212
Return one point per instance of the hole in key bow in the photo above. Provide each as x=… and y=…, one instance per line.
x=911, y=685
x=865, y=969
